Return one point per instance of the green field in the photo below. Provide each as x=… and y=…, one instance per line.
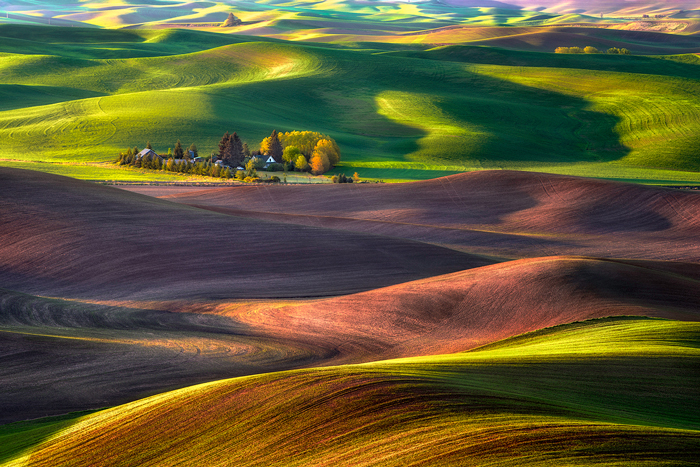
x=615, y=391
x=398, y=112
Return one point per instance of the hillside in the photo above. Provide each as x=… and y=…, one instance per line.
x=467, y=309
x=66, y=238
x=398, y=112
x=606, y=391
x=501, y=213
x=517, y=301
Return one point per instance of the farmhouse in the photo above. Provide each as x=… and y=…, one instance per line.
x=268, y=160
x=149, y=154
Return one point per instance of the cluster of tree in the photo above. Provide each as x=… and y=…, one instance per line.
x=233, y=151
x=615, y=50
x=231, y=21
x=589, y=50
x=174, y=161
x=304, y=150
x=296, y=150
x=344, y=179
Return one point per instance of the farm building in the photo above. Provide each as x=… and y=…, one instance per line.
x=149, y=154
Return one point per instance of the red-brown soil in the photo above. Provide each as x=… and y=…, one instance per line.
x=66, y=238
x=467, y=309
x=502, y=213
x=86, y=356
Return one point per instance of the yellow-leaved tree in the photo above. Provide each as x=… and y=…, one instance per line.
x=313, y=146
x=326, y=154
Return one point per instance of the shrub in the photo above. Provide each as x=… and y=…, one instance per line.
x=275, y=167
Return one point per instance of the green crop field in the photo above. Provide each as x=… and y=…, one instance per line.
x=616, y=391
x=398, y=112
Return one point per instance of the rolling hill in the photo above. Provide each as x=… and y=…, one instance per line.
x=155, y=303
x=72, y=239
x=398, y=112
x=502, y=213
x=611, y=391
x=498, y=310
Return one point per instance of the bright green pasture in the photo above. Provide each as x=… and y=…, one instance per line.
x=20, y=436
x=396, y=115
x=616, y=391
x=97, y=171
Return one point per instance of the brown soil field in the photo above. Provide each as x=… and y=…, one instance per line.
x=500, y=213
x=88, y=356
x=63, y=356
x=61, y=237
x=464, y=310
x=162, y=295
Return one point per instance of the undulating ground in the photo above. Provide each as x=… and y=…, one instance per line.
x=73, y=98
x=498, y=310
x=607, y=392
x=387, y=342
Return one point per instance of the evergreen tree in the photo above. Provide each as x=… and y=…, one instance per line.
x=193, y=148
x=178, y=152
x=233, y=156
x=275, y=149
x=246, y=150
x=148, y=145
x=223, y=144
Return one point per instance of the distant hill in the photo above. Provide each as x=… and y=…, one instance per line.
x=501, y=213
x=397, y=111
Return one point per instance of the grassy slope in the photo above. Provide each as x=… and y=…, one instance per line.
x=608, y=392
x=395, y=117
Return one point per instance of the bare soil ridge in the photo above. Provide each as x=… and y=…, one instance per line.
x=502, y=213
x=66, y=238
x=117, y=354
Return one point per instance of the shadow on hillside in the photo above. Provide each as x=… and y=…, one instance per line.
x=16, y=96
x=681, y=66
x=516, y=123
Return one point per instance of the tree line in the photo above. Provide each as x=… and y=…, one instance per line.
x=304, y=151
x=589, y=50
